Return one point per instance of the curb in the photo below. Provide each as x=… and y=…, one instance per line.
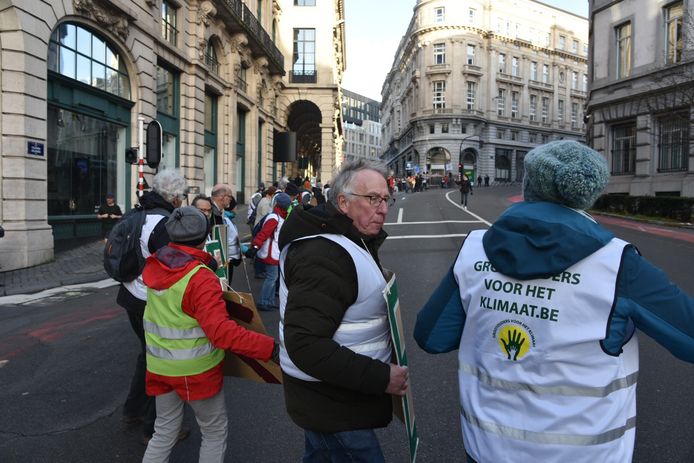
x=653, y=221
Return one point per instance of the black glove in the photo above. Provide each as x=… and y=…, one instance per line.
x=276, y=353
x=252, y=251
x=235, y=262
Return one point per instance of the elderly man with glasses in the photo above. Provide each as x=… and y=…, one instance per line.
x=336, y=348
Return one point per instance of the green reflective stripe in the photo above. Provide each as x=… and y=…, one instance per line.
x=180, y=354
x=172, y=333
x=580, y=391
x=549, y=438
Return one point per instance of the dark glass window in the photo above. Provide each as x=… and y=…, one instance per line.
x=623, y=149
x=304, y=56
x=168, y=22
x=78, y=53
x=673, y=143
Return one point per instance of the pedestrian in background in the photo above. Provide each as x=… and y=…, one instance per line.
x=188, y=329
x=168, y=192
x=465, y=190
x=108, y=214
x=543, y=309
x=479, y=180
x=486, y=180
x=222, y=199
x=336, y=351
x=265, y=247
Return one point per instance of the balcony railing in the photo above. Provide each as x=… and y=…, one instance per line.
x=258, y=39
x=304, y=77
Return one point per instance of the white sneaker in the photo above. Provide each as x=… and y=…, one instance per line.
x=465, y=208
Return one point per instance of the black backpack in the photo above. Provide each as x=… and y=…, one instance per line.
x=123, y=259
x=259, y=226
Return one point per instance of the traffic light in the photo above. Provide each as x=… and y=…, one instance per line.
x=131, y=155
x=153, y=150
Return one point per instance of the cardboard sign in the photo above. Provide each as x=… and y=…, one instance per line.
x=403, y=406
x=241, y=308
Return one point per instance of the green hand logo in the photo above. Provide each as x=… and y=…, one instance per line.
x=513, y=345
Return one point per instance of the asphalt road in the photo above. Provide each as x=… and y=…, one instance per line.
x=66, y=362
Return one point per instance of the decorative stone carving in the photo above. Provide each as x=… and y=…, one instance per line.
x=206, y=11
x=105, y=15
x=261, y=65
x=238, y=42
x=202, y=47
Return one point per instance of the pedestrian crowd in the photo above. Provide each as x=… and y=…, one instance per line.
x=542, y=308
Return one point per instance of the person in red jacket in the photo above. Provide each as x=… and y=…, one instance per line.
x=187, y=329
x=264, y=247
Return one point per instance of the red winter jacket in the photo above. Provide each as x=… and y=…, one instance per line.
x=203, y=301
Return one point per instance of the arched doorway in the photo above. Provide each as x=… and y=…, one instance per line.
x=305, y=118
x=520, y=165
x=502, y=165
x=88, y=119
x=468, y=161
x=439, y=159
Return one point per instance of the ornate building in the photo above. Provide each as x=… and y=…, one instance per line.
x=641, y=103
x=479, y=83
x=218, y=75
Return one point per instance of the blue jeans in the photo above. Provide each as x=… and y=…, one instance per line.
x=267, y=292
x=342, y=447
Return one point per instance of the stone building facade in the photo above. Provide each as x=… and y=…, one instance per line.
x=77, y=75
x=477, y=84
x=641, y=103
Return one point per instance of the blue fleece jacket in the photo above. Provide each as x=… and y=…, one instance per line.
x=539, y=240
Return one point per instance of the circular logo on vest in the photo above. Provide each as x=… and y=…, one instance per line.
x=515, y=339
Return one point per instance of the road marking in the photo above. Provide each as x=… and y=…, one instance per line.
x=468, y=211
x=407, y=237
x=20, y=299
x=400, y=215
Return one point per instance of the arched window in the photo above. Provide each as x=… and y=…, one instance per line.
x=78, y=53
x=211, y=57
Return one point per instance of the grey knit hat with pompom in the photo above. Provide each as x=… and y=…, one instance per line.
x=565, y=172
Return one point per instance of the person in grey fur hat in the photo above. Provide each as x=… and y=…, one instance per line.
x=550, y=301
x=186, y=314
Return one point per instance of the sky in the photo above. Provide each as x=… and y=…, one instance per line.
x=373, y=31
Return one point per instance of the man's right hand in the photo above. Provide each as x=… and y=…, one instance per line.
x=399, y=380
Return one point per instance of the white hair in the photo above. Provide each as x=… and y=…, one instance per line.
x=344, y=178
x=170, y=184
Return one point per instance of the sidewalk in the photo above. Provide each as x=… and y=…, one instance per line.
x=83, y=263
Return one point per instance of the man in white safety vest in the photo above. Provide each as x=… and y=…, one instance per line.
x=334, y=331
x=543, y=309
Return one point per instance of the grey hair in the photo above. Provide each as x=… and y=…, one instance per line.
x=342, y=182
x=170, y=184
x=220, y=189
x=282, y=184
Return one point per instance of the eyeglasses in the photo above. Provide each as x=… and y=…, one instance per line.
x=375, y=200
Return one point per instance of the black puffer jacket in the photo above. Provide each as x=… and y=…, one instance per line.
x=322, y=282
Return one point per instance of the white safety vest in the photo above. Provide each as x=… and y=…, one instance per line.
x=364, y=328
x=137, y=286
x=270, y=246
x=535, y=382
